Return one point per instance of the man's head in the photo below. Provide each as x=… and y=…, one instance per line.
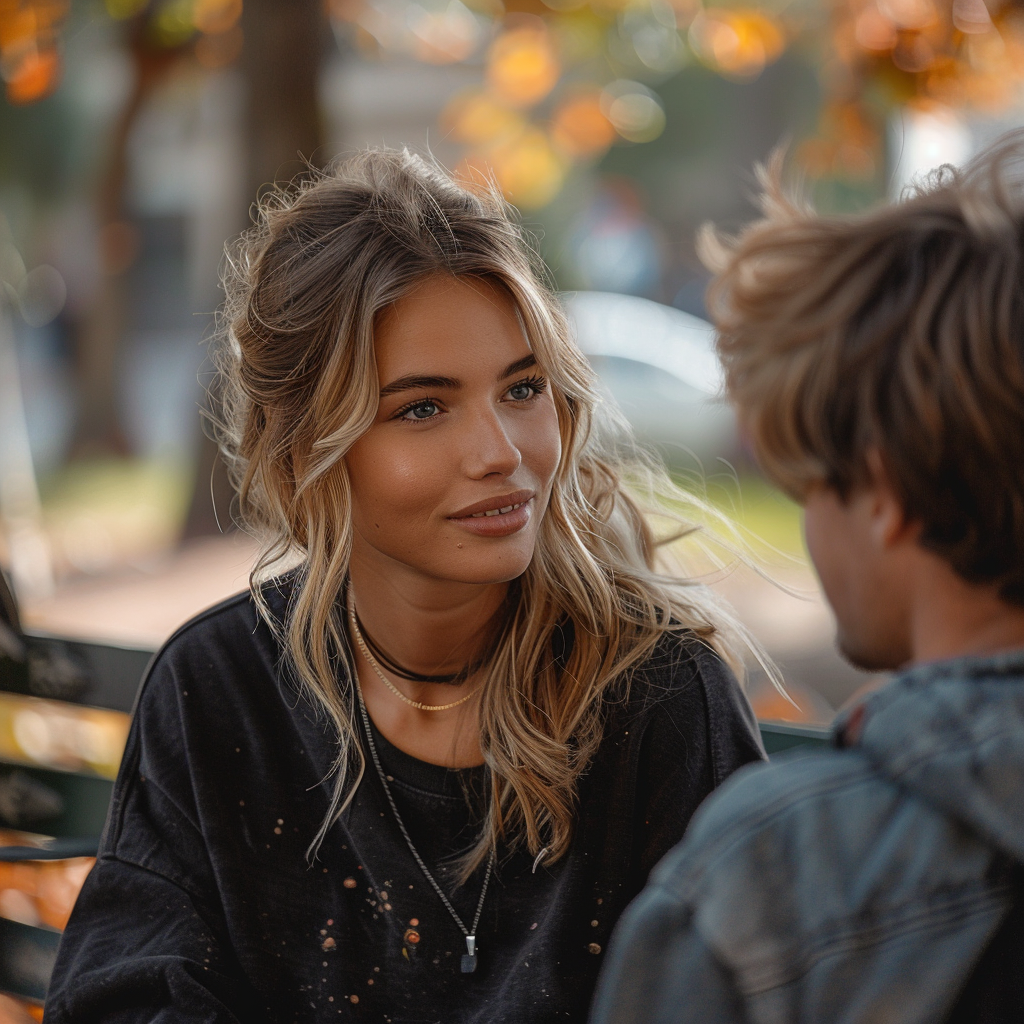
x=877, y=364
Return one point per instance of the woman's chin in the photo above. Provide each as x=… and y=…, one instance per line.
x=485, y=567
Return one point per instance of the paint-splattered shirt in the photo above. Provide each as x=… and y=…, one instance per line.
x=203, y=906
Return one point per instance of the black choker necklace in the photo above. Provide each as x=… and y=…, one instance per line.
x=395, y=669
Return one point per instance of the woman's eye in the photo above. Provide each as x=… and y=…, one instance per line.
x=421, y=411
x=526, y=389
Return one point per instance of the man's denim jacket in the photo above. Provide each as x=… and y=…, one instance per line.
x=854, y=885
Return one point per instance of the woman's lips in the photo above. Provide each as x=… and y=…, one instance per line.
x=500, y=522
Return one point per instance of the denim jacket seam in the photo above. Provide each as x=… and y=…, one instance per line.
x=843, y=938
x=740, y=831
x=897, y=767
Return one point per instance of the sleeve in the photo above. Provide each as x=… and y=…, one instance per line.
x=148, y=939
x=700, y=730
x=140, y=948
x=660, y=971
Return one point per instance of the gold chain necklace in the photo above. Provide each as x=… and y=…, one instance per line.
x=361, y=643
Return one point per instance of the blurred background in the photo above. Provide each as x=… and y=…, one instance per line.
x=135, y=134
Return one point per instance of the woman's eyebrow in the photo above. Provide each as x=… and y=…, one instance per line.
x=518, y=366
x=418, y=382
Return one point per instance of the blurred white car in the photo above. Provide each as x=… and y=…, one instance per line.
x=659, y=365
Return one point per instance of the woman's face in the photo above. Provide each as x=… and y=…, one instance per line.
x=453, y=478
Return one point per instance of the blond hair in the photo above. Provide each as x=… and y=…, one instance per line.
x=899, y=329
x=304, y=289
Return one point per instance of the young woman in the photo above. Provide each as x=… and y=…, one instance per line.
x=418, y=777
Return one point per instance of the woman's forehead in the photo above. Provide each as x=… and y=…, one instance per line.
x=446, y=323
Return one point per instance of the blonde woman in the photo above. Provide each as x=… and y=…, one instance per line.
x=418, y=777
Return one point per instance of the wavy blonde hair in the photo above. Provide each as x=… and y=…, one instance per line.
x=299, y=385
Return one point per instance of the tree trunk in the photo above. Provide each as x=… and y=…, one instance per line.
x=98, y=336
x=281, y=60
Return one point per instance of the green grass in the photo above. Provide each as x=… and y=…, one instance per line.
x=106, y=511
x=767, y=519
x=116, y=483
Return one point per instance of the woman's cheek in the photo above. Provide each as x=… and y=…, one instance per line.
x=413, y=478
x=547, y=443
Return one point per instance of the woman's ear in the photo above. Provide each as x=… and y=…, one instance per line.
x=890, y=524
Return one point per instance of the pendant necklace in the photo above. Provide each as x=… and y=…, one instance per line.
x=468, y=964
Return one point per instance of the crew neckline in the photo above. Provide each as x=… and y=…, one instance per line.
x=436, y=779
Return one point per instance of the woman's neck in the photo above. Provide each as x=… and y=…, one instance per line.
x=430, y=627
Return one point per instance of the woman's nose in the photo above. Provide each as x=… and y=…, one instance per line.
x=488, y=448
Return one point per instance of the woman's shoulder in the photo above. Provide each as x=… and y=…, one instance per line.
x=226, y=629
x=226, y=647
x=680, y=662
x=216, y=687
x=683, y=692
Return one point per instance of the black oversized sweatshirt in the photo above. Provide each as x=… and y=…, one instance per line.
x=204, y=907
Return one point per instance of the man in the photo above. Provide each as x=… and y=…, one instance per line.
x=877, y=364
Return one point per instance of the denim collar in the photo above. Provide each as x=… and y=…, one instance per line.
x=952, y=732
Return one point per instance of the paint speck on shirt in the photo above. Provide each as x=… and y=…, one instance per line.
x=349, y=883
x=327, y=944
x=593, y=924
x=594, y=948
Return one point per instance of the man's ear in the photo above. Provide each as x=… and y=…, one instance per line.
x=890, y=525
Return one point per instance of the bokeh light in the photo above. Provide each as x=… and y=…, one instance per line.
x=527, y=167
x=633, y=110
x=737, y=43
x=65, y=736
x=216, y=16
x=41, y=892
x=30, y=61
x=522, y=66
x=478, y=118
x=580, y=128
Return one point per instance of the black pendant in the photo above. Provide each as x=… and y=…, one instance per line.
x=469, y=957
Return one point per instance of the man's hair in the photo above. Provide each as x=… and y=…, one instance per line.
x=900, y=329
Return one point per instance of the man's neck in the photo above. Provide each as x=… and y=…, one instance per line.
x=953, y=618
